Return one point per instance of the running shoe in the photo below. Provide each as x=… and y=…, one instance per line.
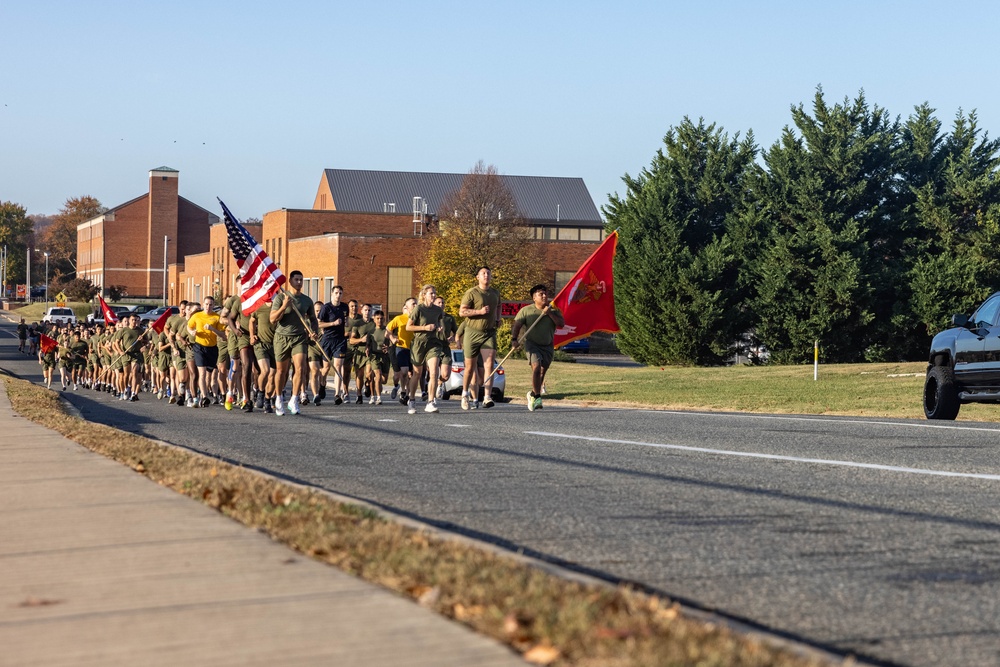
x=360, y=400
x=215, y=401
x=191, y=403
x=465, y=401
x=531, y=402
x=134, y=398
x=229, y=401
x=439, y=393
x=371, y=401
x=268, y=410
x=260, y=400
x=338, y=400
x=279, y=406
x=423, y=396
x=172, y=400
x=247, y=407
x=431, y=407
x=488, y=403
x=159, y=395
x=293, y=405
x=205, y=402
x=378, y=400
x=322, y=393
x=538, y=403
x=395, y=392
x=411, y=407
x=316, y=401
x=76, y=387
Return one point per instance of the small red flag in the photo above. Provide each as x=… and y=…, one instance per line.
x=47, y=344
x=161, y=321
x=587, y=301
x=109, y=315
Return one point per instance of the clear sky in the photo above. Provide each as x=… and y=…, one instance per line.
x=250, y=100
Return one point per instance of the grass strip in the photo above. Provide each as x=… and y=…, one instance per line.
x=883, y=390
x=548, y=619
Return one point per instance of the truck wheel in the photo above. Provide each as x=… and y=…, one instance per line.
x=940, y=396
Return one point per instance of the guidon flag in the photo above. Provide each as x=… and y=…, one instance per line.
x=587, y=301
x=110, y=316
x=260, y=278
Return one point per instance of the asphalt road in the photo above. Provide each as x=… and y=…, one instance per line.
x=878, y=537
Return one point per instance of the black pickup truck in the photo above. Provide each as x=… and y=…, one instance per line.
x=964, y=363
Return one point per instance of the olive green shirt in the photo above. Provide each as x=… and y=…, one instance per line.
x=475, y=299
x=264, y=329
x=290, y=324
x=544, y=332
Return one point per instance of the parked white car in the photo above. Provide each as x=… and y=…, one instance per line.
x=59, y=316
x=454, y=383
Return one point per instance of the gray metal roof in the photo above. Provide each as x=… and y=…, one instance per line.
x=537, y=197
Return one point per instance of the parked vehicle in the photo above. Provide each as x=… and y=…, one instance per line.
x=964, y=363
x=141, y=309
x=453, y=385
x=154, y=314
x=98, y=318
x=579, y=345
x=59, y=316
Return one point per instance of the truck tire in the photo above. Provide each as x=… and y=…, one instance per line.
x=940, y=395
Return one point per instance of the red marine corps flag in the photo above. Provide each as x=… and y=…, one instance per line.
x=47, y=344
x=260, y=279
x=110, y=317
x=588, y=299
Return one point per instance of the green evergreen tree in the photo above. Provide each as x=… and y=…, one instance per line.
x=16, y=232
x=679, y=298
x=955, y=206
x=826, y=271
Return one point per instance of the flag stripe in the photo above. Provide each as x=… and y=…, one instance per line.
x=260, y=278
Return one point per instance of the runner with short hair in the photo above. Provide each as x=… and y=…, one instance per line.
x=262, y=337
x=426, y=321
x=401, y=340
x=291, y=340
x=481, y=308
x=539, y=319
x=332, y=318
x=363, y=326
x=204, y=329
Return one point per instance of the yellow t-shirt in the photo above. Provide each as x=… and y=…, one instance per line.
x=198, y=322
x=397, y=325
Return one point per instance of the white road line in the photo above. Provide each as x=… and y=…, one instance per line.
x=459, y=425
x=773, y=457
x=388, y=420
x=827, y=419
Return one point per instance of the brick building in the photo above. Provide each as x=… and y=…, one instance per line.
x=125, y=245
x=367, y=229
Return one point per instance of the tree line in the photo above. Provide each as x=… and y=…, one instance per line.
x=856, y=229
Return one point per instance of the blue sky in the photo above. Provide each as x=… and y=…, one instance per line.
x=252, y=100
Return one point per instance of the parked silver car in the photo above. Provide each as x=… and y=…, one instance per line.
x=453, y=385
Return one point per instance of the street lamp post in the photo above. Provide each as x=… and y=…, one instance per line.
x=46, y=279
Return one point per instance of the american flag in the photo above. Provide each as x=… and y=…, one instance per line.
x=260, y=279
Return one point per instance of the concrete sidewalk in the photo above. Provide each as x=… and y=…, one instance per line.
x=100, y=566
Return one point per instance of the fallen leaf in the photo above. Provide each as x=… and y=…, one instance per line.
x=542, y=654
x=463, y=613
x=426, y=596
x=140, y=467
x=213, y=472
x=38, y=602
x=510, y=624
x=612, y=633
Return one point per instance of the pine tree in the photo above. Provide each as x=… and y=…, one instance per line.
x=678, y=293
x=824, y=271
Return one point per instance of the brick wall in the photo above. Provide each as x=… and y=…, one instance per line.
x=125, y=246
x=161, y=221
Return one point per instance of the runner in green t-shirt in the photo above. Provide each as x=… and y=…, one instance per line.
x=539, y=319
x=427, y=323
x=481, y=308
x=262, y=339
x=289, y=312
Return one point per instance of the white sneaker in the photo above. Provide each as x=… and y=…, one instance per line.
x=378, y=401
x=440, y=391
x=531, y=402
x=465, y=401
x=76, y=387
x=411, y=407
x=293, y=405
x=431, y=407
x=371, y=401
x=279, y=406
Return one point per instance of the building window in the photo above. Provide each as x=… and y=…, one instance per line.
x=590, y=234
x=328, y=284
x=400, y=287
x=562, y=277
x=569, y=233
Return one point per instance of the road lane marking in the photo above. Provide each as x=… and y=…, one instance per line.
x=388, y=420
x=825, y=419
x=459, y=425
x=772, y=457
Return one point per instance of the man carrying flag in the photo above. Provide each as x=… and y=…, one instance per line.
x=47, y=357
x=542, y=320
x=260, y=278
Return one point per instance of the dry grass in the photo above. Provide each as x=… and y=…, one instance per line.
x=548, y=619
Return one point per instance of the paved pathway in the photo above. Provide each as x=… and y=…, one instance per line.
x=100, y=566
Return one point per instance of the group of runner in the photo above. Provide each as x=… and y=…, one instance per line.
x=205, y=355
